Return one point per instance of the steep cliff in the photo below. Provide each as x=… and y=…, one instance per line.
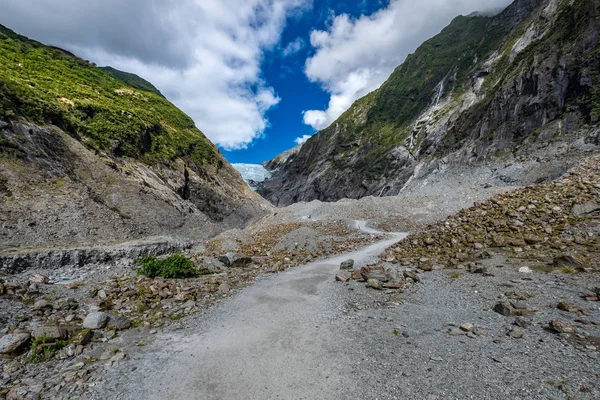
x=486, y=90
x=87, y=158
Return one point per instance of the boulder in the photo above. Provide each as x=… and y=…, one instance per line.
x=591, y=207
x=343, y=276
x=374, y=284
x=38, y=278
x=412, y=275
x=50, y=333
x=95, y=320
x=13, y=342
x=235, y=260
x=570, y=260
x=504, y=308
x=118, y=322
x=347, y=265
x=561, y=326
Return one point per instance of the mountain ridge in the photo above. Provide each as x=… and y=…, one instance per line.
x=425, y=112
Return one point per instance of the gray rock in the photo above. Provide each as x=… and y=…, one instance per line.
x=586, y=208
x=343, y=276
x=504, y=308
x=561, y=326
x=412, y=275
x=515, y=332
x=13, y=342
x=118, y=322
x=50, y=333
x=95, y=320
x=224, y=288
x=374, y=283
x=38, y=278
x=235, y=260
x=347, y=265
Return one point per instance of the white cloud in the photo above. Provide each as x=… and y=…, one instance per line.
x=302, y=139
x=204, y=55
x=294, y=47
x=355, y=56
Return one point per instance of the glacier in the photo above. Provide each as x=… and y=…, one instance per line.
x=252, y=173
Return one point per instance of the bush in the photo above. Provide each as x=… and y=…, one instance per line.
x=172, y=267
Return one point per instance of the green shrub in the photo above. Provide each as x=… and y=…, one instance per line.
x=173, y=267
x=43, y=350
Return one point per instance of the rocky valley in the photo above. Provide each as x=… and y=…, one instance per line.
x=439, y=240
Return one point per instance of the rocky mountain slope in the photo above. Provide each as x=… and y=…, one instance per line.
x=86, y=158
x=488, y=91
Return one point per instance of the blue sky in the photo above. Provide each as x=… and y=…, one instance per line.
x=286, y=75
x=255, y=75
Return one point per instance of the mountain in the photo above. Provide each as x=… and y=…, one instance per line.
x=87, y=158
x=132, y=80
x=519, y=87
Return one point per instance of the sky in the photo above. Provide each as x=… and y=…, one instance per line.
x=257, y=76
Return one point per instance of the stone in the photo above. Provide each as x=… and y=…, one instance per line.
x=13, y=342
x=570, y=261
x=561, y=326
x=504, y=308
x=82, y=338
x=393, y=284
x=587, y=208
x=525, y=270
x=2, y=288
x=357, y=276
x=467, y=327
x=118, y=322
x=454, y=331
x=412, y=275
x=235, y=260
x=41, y=304
x=518, y=305
x=521, y=322
x=569, y=307
x=38, y=278
x=515, y=332
x=343, y=276
x=95, y=320
x=374, y=283
x=347, y=265
x=118, y=357
x=224, y=288
x=50, y=333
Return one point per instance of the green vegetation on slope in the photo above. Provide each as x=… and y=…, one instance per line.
x=382, y=118
x=42, y=84
x=132, y=80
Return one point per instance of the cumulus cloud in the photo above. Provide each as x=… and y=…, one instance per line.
x=294, y=47
x=203, y=55
x=355, y=56
x=302, y=139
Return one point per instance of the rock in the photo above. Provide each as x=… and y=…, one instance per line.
x=13, y=342
x=118, y=322
x=569, y=307
x=343, y=276
x=82, y=337
x=50, y=333
x=570, y=260
x=2, y=288
x=95, y=320
x=586, y=208
x=412, y=275
x=224, y=288
x=435, y=358
x=525, y=270
x=118, y=357
x=41, y=304
x=394, y=284
x=356, y=275
x=561, y=326
x=38, y=278
x=188, y=304
x=515, y=332
x=467, y=327
x=235, y=260
x=374, y=283
x=454, y=331
x=347, y=265
x=518, y=305
x=504, y=308
x=522, y=323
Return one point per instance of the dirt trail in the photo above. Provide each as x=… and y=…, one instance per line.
x=271, y=341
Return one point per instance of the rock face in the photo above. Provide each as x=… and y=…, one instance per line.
x=80, y=174
x=517, y=87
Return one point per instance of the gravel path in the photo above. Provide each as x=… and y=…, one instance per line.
x=271, y=341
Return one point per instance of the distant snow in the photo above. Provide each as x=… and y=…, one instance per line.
x=252, y=173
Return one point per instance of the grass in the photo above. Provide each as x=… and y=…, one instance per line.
x=46, y=85
x=43, y=350
x=176, y=266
